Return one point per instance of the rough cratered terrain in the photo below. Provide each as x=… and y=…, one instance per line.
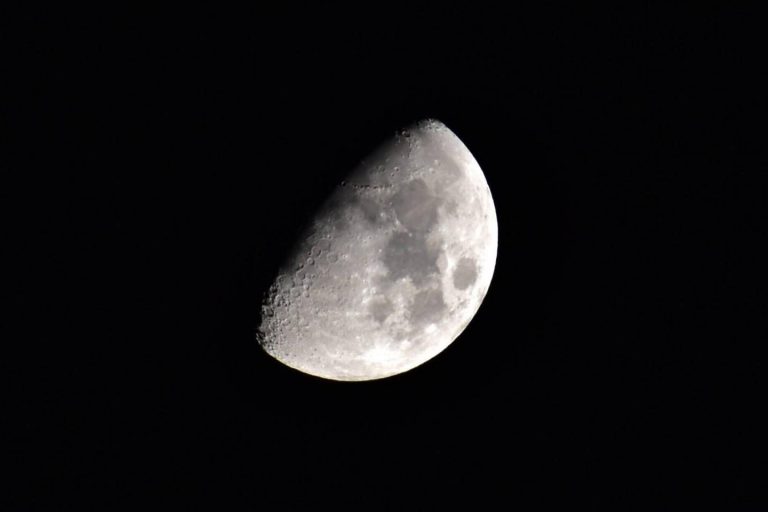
x=393, y=266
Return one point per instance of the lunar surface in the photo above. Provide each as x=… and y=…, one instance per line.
x=393, y=266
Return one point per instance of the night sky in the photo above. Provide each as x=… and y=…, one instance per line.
x=159, y=166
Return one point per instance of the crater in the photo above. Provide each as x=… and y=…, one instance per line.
x=408, y=255
x=415, y=207
x=465, y=273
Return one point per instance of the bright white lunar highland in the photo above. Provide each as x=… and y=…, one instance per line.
x=393, y=266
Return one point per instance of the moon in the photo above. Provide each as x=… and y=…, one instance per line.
x=393, y=266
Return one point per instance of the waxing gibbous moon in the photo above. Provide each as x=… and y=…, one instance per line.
x=392, y=267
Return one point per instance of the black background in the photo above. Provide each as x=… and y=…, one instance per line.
x=158, y=166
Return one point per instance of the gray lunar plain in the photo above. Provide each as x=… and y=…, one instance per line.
x=393, y=266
